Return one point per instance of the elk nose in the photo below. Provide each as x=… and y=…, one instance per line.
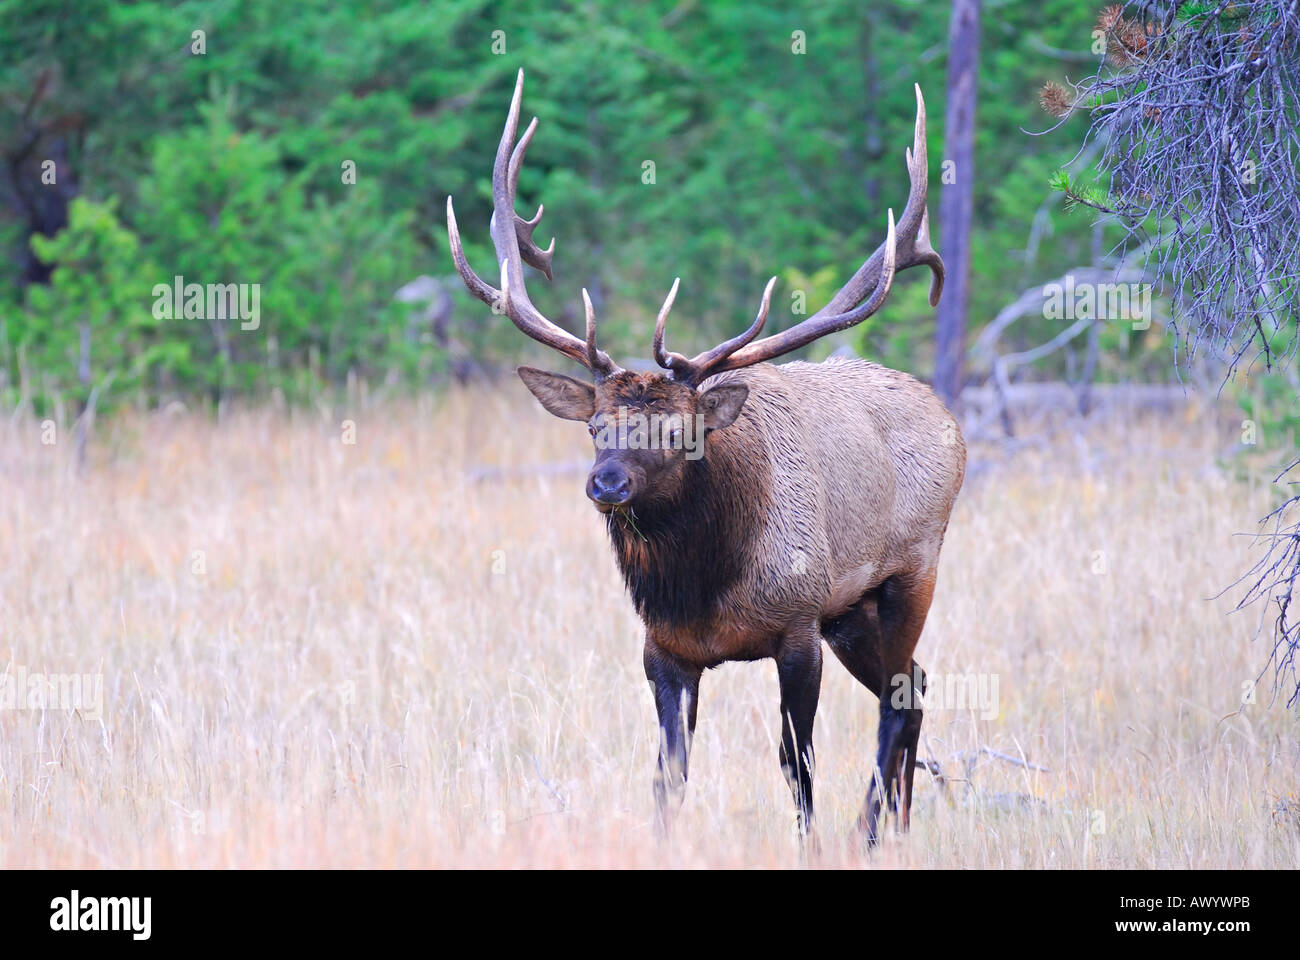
x=610, y=486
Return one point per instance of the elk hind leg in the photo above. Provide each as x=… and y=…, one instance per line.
x=903, y=603
x=874, y=640
x=854, y=638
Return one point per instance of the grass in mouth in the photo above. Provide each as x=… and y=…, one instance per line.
x=629, y=517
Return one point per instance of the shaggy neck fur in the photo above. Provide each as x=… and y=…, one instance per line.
x=689, y=550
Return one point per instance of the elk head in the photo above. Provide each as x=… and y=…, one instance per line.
x=648, y=426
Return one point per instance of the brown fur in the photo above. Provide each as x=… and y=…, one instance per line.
x=835, y=477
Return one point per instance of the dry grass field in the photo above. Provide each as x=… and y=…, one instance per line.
x=403, y=652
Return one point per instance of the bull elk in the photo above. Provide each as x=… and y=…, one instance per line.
x=814, y=506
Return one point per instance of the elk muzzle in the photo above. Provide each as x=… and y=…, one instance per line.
x=609, y=484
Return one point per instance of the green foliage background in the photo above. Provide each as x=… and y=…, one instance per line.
x=226, y=167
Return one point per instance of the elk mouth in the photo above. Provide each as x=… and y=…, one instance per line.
x=607, y=500
x=620, y=507
x=627, y=516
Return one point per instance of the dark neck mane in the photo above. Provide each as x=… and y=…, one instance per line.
x=688, y=551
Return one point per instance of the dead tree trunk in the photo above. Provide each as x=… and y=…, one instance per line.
x=955, y=203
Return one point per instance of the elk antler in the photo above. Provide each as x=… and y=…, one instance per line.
x=512, y=236
x=863, y=295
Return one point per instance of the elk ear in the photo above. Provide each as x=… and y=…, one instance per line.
x=562, y=396
x=721, y=405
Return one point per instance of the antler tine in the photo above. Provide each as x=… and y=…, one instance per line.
x=881, y=292
x=922, y=252
x=477, y=286
x=878, y=295
x=666, y=358
x=600, y=370
x=517, y=155
x=701, y=366
x=512, y=236
x=724, y=350
x=918, y=168
x=907, y=245
x=533, y=255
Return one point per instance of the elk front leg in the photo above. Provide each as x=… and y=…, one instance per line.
x=799, y=669
x=676, y=687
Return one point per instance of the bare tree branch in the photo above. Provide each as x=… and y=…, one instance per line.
x=1197, y=110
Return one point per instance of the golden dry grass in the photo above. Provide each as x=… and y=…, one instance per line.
x=321, y=654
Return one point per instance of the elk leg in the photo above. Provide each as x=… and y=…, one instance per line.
x=900, y=730
x=676, y=687
x=903, y=603
x=799, y=669
x=910, y=739
x=854, y=638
